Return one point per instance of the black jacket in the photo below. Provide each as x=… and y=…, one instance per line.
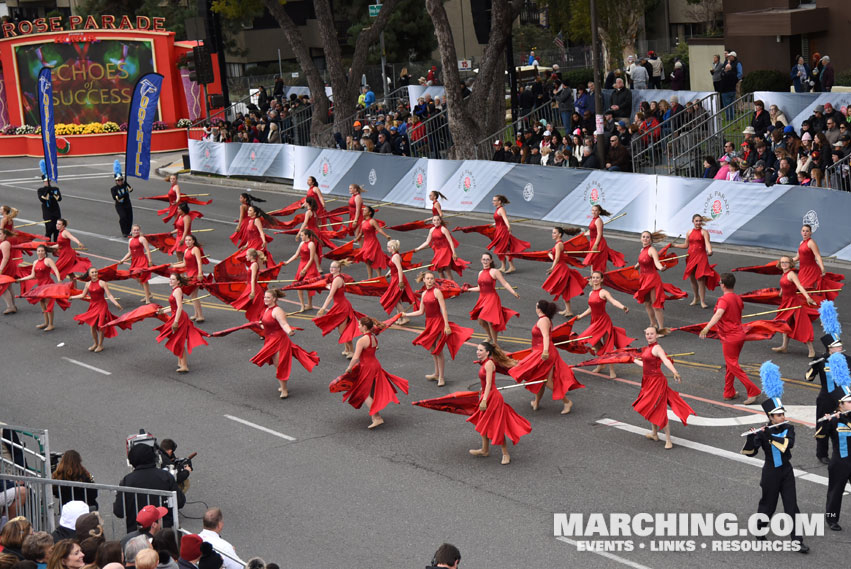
x=623, y=99
x=145, y=475
x=50, y=196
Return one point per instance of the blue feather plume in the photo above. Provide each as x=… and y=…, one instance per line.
x=43, y=167
x=839, y=369
x=772, y=385
x=116, y=168
x=830, y=319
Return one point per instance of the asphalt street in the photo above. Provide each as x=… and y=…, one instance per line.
x=339, y=495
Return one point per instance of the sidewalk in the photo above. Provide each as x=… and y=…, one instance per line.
x=172, y=163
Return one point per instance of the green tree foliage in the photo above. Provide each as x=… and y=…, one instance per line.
x=409, y=35
x=175, y=13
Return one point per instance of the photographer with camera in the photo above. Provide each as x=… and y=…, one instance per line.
x=146, y=474
x=180, y=468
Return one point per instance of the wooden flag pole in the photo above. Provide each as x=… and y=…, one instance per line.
x=771, y=311
x=574, y=340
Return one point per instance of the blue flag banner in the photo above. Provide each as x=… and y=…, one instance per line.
x=140, y=124
x=48, y=126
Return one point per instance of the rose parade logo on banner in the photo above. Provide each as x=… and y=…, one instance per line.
x=325, y=166
x=716, y=205
x=594, y=193
x=92, y=81
x=466, y=181
x=48, y=126
x=811, y=219
x=143, y=111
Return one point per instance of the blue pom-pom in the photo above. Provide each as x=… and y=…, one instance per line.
x=772, y=385
x=830, y=319
x=839, y=369
x=43, y=167
x=116, y=168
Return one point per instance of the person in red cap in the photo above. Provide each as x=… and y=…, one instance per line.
x=148, y=523
x=190, y=551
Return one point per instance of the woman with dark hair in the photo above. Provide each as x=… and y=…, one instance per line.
x=42, y=269
x=488, y=310
x=165, y=543
x=314, y=192
x=278, y=349
x=710, y=167
x=399, y=289
x=439, y=331
x=495, y=419
x=795, y=299
x=355, y=205
x=66, y=554
x=698, y=270
x=251, y=299
x=139, y=254
x=605, y=336
x=445, y=259
x=182, y=228
x=13, y=535
x=341, y=316
x=256, y=238
x=173, y=199
x=811, y=272
x=562, y=281
x=181, y=334
x=311, y=222
x=9, y=268
x=110, y=551
x=365, y=380
x=602, y=253
x=800, y=75
x=503, y=242
x=651, y=291
x=435, y=198
x=69, y=262
x=309, y=265
x=98, y=313
x=192, y=263
x=370, y=251
x=240, y=236
x=544, y=362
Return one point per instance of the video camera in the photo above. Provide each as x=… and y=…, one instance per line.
x=163, y=460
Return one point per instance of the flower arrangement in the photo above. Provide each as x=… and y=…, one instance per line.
x=160, y=125
x=184, y=123
x=28, y=129
x=10, y=129
x=110, y=126
x=123, y=127
x=66, y=129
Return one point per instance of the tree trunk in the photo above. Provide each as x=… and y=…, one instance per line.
x=483, y=112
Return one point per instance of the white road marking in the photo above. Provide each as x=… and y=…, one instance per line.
x=607, y=555
x=805, y=413
x=63, y=165
x=81, y=232
x=260, y=427
x=696, y=421
x=723, y=453
x=87, y=366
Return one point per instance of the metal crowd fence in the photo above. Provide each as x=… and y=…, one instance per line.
x=484, y=148
x=25, y=452
x=36, y=502
x=838, y=175
x=296, y=125
x=431, y=138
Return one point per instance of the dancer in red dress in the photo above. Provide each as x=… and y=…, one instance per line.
x=655, y=396
x=371, y=252
x=69, y=262
x=399, y=290
x=240, y=236
x=445, y=258
x=728, y=319
x=255, y=237
x=811, y=270
x=544, y=362
x=182, y=229
x=42, y=268
x=7, y=217
x=488, y=310
x=278, y=349
x=605, y=336
x=698, y=270
x=139, y=254
x=503, y=242
x=495, y=419
x=439, y=331
x=598, y=243
x=651, y=292
x=181, y=334
x=311, y=222
x=309, y=265
x=8, y=268
x=341, y=316
x=355, y=208
x=562, y=281
x=370, y=384
x=173, y=199
x=800, y=319
x=194, y=272
x=251, y=300
x=98, y=313
x=435, y=198
x=314, y=192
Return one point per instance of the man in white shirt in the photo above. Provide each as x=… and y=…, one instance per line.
x=213, y=524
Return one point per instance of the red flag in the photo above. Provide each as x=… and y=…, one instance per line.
x=486, y=230
x=577, y=243
x=626, y=280
x=110, y=273
x=407, y=260
x=622, y=356
x=19, y=237
x=449, y=288
x=313, y=283
x=253, y=326
x=411, y=225
x=372, y=287
x=763, y=296
x=183, y=199
x=460, y=403
x=270, y=273
x=227, y=292
x=344, y=382
x=53, y=290
x=772, y=268
x=344, y=251
x=754, y=330
x=293, y=223
x=162, y=241
x=231, y=269
x=287, y=210
x=126, y=320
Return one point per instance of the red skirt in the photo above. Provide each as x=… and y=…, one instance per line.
x=186, y=338
x=564, y=282
x=598, y=260
x=489, y=308
x=499, y=420
x=504, y=243
x=253, y=308
x=533, y=368
x=654, y=399
x=648, y=282
x=602, y=327
x=394, y=295
x=433, y=339
x=698, y=265
x=340, y=314
x=363, y=381
x=97, y=315
x=281, y=344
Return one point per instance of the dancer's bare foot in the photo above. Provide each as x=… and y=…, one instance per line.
x=534, y=405
x=49, y=328
x=652, y=436
x=669, y=445
x=612, y=374
x=41, y=326
x=284, y=393
x=9, y=311
x=431, y=377
x=403, y=321
x=704, y=305
x=376, y=421
x=479, y=452
x=693, y=302
x=567, y=407
x=566, y=313
x=750, y=400
x=98, y=349
x=597, y=369
x=505, y=458
x=183, y=370
x=92, y=347
x=441, y=382
x=779, y=349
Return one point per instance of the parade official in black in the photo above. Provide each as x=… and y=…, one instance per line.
x=838, y=429
x=829, y=394
x=121, y=196
x=50, y=196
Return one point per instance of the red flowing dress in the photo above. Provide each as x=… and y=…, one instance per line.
x=179, y=244
x=655, y=396
x=254, y=309
x=354, y=216
x=800, y=320
x=321, y=212
x=434, y=210
x=313, y=225
x=240, y=235
x=43, y=276
x=394, y=295
x=371, y=252
x=533, y=368
x=598, y=260
x=442, y=259
x=68, y=261
x=602, y=327
x=698, y=261
x=254, y=241
x=11, y=270
x=171, y=210
x=368, y=378
x=489, y=307
x=341, y=313
x=276, y=341
x=138, y=261
x=503, y=242
x=809, y=274
x=432, y=338
x=564, y=281
x=98, y=313
x=499, y=420
x=187, y=336
x=191, y=273
x=649, y=279
x=303, y=259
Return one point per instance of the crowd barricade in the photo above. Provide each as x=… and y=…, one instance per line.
x=38, y=503
x=742, y=214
